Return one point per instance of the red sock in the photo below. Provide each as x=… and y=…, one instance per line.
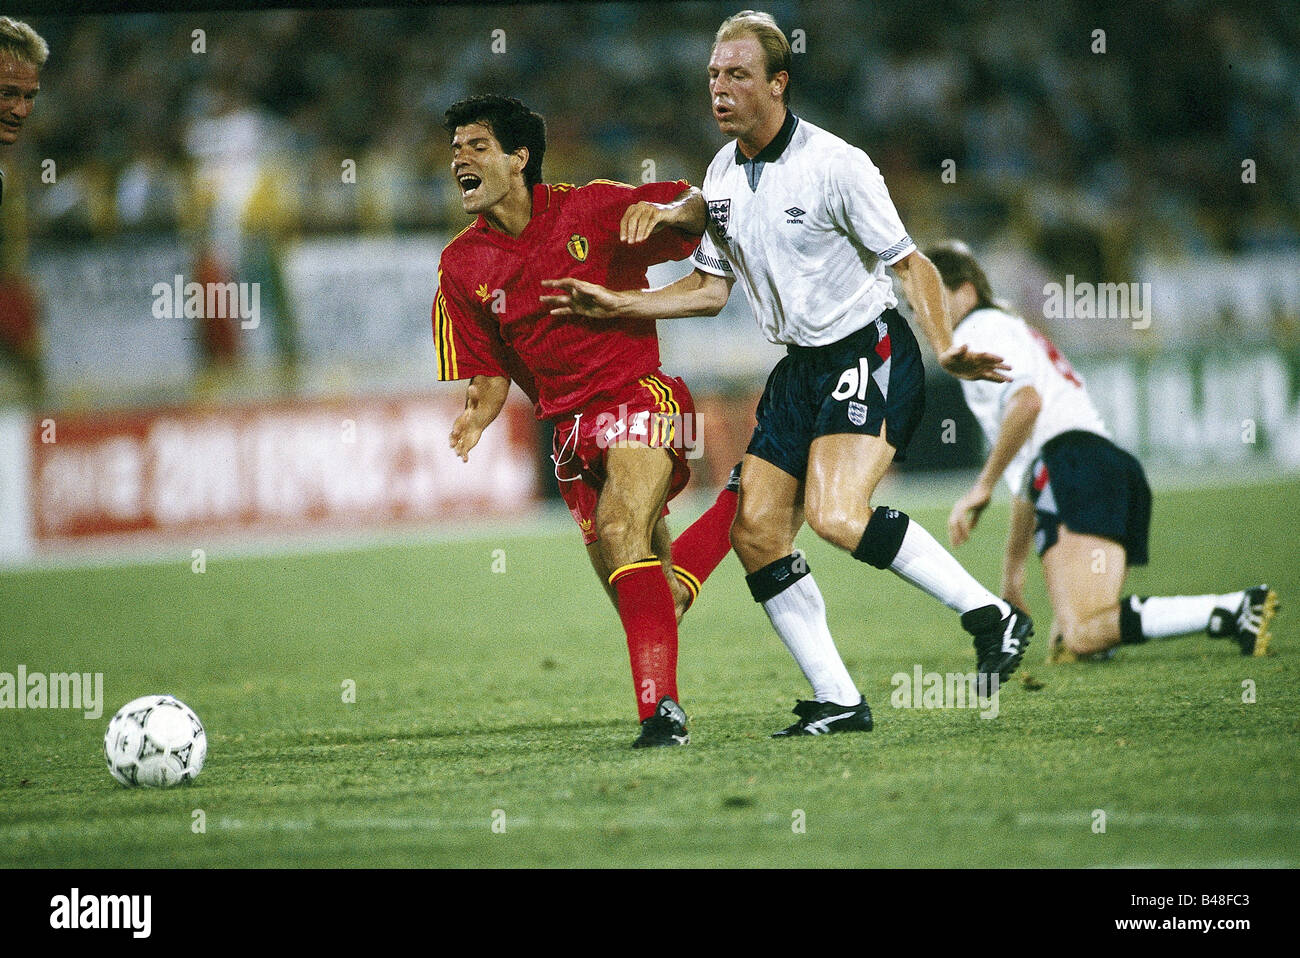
x=645, y=604
x=698, y=550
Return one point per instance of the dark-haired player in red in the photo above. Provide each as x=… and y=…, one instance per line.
x=621, y=425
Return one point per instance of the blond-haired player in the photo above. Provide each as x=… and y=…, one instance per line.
x=806, y=224
x=22, y=54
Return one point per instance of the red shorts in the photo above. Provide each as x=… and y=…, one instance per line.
x=655, y=411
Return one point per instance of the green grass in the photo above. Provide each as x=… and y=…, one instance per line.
x=480, y=691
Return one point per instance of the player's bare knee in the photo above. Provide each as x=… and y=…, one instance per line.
x=612, y=528
x=755, y=542
x=837, y=526
x=1086, y=637
x=1073, y=638
x=622, y=541
x=1101, y=630
x=1107, y=635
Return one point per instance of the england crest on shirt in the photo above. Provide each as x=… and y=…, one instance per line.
x=720, y=214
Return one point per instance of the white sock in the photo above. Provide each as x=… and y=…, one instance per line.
x=798, y=614
x=932, y=569
x=1168, y=615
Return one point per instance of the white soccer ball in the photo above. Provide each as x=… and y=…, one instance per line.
x=155, y=740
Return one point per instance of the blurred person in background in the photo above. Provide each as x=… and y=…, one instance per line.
x=1082, y=502
x=239, y=182
x=20, y=333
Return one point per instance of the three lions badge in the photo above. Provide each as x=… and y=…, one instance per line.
x=720, y=214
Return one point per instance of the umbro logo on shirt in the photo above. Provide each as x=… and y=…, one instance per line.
x=794, y=213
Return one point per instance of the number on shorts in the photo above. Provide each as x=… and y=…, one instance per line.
x=854, y=380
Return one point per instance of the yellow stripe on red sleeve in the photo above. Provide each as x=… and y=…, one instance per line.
x=444, y=340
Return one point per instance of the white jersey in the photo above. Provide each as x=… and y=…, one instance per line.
x=808, y=228
x=1036, y=362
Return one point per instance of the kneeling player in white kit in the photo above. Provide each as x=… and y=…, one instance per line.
x=1082, y=500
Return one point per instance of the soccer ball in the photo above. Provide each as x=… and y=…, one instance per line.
x=155, y=740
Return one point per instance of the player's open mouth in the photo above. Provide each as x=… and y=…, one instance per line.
x=468, y=183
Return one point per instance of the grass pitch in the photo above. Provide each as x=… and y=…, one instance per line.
x=493, y=713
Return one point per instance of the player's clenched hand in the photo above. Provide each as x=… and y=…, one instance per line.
x=964, y=364
x=965, y=513
x=580, y=298
x=465, y=434
x=641, y=219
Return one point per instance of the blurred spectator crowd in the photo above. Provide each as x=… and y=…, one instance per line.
x=1090, y=157
x=1102, y=140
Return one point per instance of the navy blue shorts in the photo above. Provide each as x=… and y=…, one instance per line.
x=1091, y=486
x=869, y=377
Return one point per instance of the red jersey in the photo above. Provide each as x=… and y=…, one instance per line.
x=488, y=318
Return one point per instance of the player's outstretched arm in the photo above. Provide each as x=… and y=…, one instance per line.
x=924, y=290
x=1020, y=539
x=484, y=400
x=688, y=213
x=1017, y=426
x=697, y=294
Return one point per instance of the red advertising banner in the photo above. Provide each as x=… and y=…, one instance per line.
x=277, y=466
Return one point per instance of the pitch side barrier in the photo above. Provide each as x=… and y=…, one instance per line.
x=186, y=473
